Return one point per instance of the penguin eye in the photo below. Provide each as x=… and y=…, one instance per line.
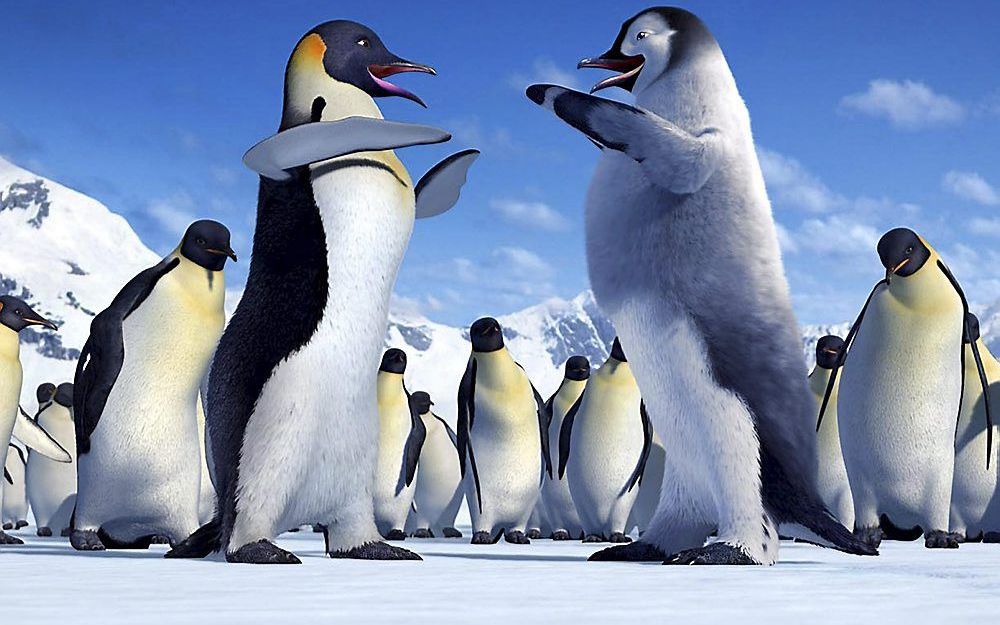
x=200, y=241
x=642, y=35
x=909, y=250
x=363, y=42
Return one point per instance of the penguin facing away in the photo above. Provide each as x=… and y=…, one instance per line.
x=135, y=397
x=900, y=396
x=51, y=485
x=401, y=436
x=700, y=279
x=834, y=487
x=604, y=444
x=335, y=212
x=558, y=501
x=503, y=446
x=438, y=495
x=12, y=493
x=975, y=505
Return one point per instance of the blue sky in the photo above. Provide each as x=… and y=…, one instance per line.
x=866, y=115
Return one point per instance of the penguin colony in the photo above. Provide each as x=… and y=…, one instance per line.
x=180, y=429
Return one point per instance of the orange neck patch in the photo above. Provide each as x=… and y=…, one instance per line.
x=309, y=52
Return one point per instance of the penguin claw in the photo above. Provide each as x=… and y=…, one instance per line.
x=714, y=553
x=451, y=532
x=939, y=539
x=482, y=538
x=396, y=534
x=560, y=535
x=8, y=526
x=85, y=540
x=639, y=551
x=871, y=536
x=376, y=551
x=159, y=539
x=65, y=532
x=516, y=537
x=594, y=538
x=7, y=539
x=423, y=532
x=534, y=533
x=262, y=552
x=619, y=537
x=44, y=532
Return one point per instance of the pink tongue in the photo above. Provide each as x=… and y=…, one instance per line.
x=395, y=90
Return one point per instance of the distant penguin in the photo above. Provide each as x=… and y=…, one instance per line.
x=648, y=499
x=975, y=498
x=296, y=368
x=901, y=393
x=604, y=444
x=439, y=493
x=834, y=487
x=557, y=499
x=12, y=492
x=683, y=256
x=51, y=485
x=135, y=397
x=15, y=316
x=401, y=436
x=502, y=438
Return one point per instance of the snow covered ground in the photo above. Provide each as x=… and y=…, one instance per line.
x=44, y=581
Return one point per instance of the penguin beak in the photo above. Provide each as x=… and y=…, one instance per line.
x=831, y=351
x=228, y=251
x=41, y=322
x=900, y=265
x=399, y=66
x=628, y=68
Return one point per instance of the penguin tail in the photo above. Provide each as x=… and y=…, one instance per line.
x=826, y=531
x=205, y=540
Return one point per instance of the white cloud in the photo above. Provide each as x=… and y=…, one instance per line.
x=174, y=214
x=531, y=215
x=985, y=226
x=544, y=70
x=791, y=186
x=907, y=104
x=522, y=263
x=971, y=186
x=785, y=239
x=838, y=234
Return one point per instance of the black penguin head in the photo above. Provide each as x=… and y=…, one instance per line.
x=421, y=402
x=486, y=335
x=970, y=331
x=902, y=252
x=64, y=394
x=650, y=44
x=393, y=361
x=617, y=352
x=45, y=392
x=206, y=243
x=348, y=53
x=17, y=315
x=577, y=368
x=828, y=351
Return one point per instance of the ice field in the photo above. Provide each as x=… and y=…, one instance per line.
x=44, y=581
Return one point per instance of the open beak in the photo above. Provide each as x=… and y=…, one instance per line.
x=379, y=72
x=226, y=252
x=42, y=322
x=899, y=266
x=628, y=68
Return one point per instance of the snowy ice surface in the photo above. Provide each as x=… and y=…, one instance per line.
x=546, y=582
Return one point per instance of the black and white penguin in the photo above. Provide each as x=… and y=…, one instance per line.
x=604, y=443
x=51, y=485
x=557, y=501
x=438, y=496
x=335, y=212
x=502, y=438
x=14, y=509
x=683, y=256
x=135, y=395
x=401, y=437
x=834, y=487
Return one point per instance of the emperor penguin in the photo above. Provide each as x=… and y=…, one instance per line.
x=12, y=492
x=975, y=502
x=401, y=436
x=15, y=316
x=51, y=485
x=335, y=211
x=502, y=438
x=834, y=487
x=439, y=493
x=604, y=443
x=901, y=393
x=683, y=256
x=558, y=501
x=135, y=398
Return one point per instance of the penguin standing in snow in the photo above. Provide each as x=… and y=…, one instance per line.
x=901, y=394
x=558, y=501
x=335, y=211
x=401, y=436
x=834, y=487
x=503, y=442
x=683, y=256
x=12, y=492
x=15, y=316
x=135, y=398
x=439, y=493
x=974, y=486
x=604, y=443
x=52, y=485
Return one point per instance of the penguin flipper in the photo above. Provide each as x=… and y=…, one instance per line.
x=6, y=476
x=466, y=418
x=319, y=141
x=414, y=443
x=32, y=435
x=104, y=352
x=203, y=541
x=438, y=189
x=20, y=453
x=544, y=420
x=566, y=433
x=670, y=156
x=447, y=428
x=647, y=445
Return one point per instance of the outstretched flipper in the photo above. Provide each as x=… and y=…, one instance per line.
x=647, y=445
x=566, y=432
x=31, y=434
x=414, y=443
x=319, y=141
x=438, y=190
x=670, y=156
x=466, y=418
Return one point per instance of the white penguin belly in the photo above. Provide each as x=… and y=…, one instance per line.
x=392, y=496
x=559, y=506
x=437, y=497
x=10, y=391
x=14, y=500
x=831, y=476
x=51, y=485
